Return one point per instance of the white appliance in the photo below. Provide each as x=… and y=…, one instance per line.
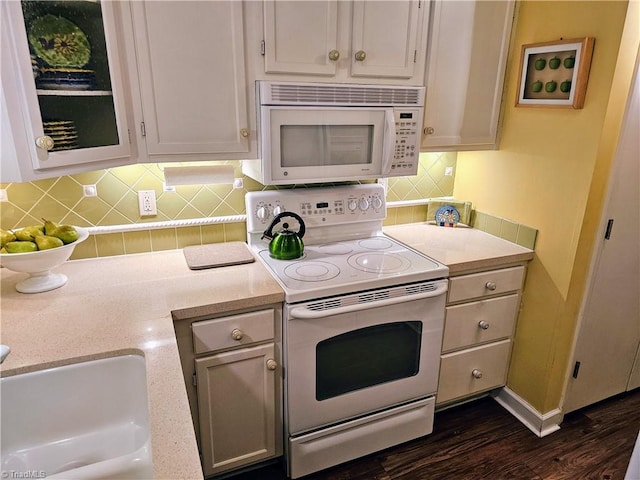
x=363, y=322
x=322, y=132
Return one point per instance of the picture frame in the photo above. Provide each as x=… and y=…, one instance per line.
x=555, y=74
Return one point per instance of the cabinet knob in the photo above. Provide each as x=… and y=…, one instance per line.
x=334, y=55
x=476, y=373
x=272, y=364
x=360, y=56
x=483, y=325
x=244, y=133
x=45, y=142
x=490, y=286
x=237, y=334
x=429, y=130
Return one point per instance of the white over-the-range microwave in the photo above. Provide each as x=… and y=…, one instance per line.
x=324, y=132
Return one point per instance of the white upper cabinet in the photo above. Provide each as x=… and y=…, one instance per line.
x=301, y=37
x=468, y=51
x=191, y=90
x=63, y=89
x=345, y=41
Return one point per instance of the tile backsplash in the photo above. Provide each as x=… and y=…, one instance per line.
x=62, y=200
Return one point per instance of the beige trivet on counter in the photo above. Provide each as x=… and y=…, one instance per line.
x=214, y=255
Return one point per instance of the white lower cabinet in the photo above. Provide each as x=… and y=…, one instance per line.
x=236, y=399
x=232, y=364
x=473, y=370
x=480, y=319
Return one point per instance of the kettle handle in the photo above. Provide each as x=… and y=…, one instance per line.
x=268, y=233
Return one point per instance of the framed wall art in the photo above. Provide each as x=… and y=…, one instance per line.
x=555, y=74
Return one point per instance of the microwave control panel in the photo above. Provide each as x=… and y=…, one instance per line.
x=407, y=145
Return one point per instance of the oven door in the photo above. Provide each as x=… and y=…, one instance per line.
x=312, y=144
x=374, y=350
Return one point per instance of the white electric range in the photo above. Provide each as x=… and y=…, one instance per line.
x=362, y=325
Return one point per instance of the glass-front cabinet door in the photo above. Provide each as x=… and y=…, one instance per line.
x=69, y=68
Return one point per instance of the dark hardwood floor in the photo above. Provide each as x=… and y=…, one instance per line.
x=481, y=440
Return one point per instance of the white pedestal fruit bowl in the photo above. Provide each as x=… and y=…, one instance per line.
x=39, y=265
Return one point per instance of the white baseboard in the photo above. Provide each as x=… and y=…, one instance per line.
x=541, y=424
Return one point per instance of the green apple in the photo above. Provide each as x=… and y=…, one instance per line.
x=569, y=62
x=551, y=86
x=554, y=63
x=540, y=64
x=536, y=86
x=565, y=86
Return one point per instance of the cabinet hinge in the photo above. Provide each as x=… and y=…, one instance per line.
x=129, y=135
x=194, y=380
x=607, y=233
x=419, y=3
x=143, y=130
x=415, y=55
x=262, y=47
x=576, y=369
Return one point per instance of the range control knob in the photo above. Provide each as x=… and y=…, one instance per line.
x=277, y=210
x=376, y=202
x=262, y=213
x=352, y=204
x=363, y=204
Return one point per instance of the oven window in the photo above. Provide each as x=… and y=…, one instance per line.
x=367, y=357
x=321, y=145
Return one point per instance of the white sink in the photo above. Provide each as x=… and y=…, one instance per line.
x=86, y=420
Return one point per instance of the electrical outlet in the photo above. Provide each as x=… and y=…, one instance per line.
x=4, y=197
x=89, y=191
x=147, y=203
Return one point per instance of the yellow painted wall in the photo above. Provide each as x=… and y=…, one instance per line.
x=542, y=176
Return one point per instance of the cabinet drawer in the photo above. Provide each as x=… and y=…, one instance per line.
x=457, y=379
x=479, y=322
x=237, y=330
x=485, y=283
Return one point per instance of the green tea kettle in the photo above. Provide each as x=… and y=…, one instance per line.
x=285, y=244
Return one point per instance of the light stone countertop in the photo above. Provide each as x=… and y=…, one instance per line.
x=118, y=305
x=461, y=249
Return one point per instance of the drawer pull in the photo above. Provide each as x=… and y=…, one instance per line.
x=272, y=364
x=476, y=373
x=483, y=325
x=237, y=334
x=490, y=286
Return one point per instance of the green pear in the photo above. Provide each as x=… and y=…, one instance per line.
x=27, y=234
x=66, y=233
x=20, y=247
x=45, y=242
x=5, y=237
x=49, y=226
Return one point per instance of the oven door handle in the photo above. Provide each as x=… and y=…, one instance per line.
x=304, y=313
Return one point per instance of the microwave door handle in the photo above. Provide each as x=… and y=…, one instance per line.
x=305, y=313
x=389, y=143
